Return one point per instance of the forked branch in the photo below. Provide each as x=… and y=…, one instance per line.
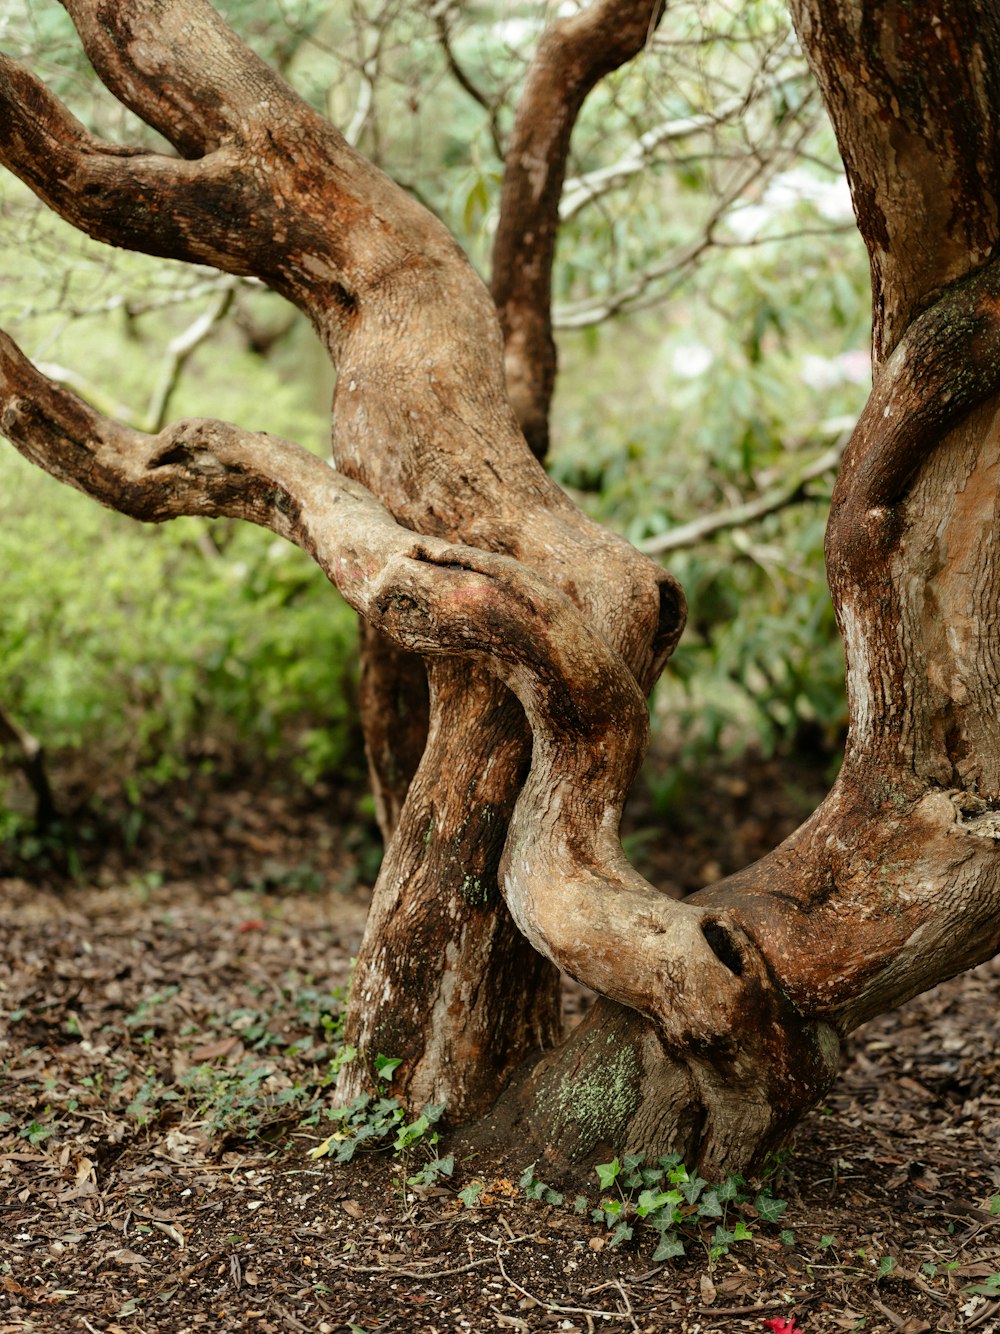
x=580, y=908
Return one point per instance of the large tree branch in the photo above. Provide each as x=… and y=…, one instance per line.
x=422, y=417
x=573, y=55
x=206, y=211
x=123, y=196
x=272, y=189
x=565, y=878
x=914, y=95
x=183, y=71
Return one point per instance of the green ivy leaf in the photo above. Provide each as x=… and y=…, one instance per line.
x=470, y=1195
x=769, y=1208
x=670, y=1248
x=885, y=1267
x=692, y=1188
x=709, y=1205
x=650, y=1201
x=607, y=1173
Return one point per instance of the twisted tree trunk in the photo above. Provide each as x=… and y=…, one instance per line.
x=721, y=1017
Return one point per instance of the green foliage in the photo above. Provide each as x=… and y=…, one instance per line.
x=282, y=1078
x=536, y=1189
x=471, y=1194
x=141, y=652
x=885, y=1267
x=380, y=1123
x=681, y=1207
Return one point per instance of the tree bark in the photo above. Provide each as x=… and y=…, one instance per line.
x=574, y=54
x=894, y=883
x=721, y=1016
x=421, y=416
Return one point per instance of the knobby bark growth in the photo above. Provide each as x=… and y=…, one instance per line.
x=720, y=1017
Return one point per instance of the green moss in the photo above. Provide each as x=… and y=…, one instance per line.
x=474, y=891
x=599, y=1105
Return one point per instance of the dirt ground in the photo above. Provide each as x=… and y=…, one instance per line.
x=166, y=1031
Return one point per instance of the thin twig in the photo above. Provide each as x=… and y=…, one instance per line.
x=554, y=1306
x=740, y=1310
x=628, y=1305
x=440, y=1273
x=180, y=350
x=698, y=530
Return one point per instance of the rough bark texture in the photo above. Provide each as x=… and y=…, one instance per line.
x=394, y=707
x=913, y=91
x=421, y=416
x=573, y=56
x=721, y=1016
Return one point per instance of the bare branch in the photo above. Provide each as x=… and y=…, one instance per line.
x=461, y=77
x=180, y=351
x=574, y=54
x=583, y=190
x=643, y=290
x=777, y=498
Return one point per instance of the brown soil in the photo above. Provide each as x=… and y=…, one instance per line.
x=165, y=1035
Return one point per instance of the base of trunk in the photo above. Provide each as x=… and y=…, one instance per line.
x=613, y=1088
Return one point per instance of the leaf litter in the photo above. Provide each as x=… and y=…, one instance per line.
x=164, y=1070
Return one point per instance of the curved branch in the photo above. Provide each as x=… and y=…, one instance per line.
x=565, y=877
x=947, y=362
x=278, y=192
x=461, y=77
x=583, y=190
x=574, y=54
x=787, y=491
x=127, y=196
x=182, y=71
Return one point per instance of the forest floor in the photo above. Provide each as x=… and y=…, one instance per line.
x=167, y=1021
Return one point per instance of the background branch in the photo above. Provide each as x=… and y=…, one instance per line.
x=573, y=55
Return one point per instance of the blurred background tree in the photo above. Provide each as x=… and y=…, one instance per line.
x=712, y=320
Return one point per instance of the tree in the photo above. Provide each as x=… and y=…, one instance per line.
x=720, y=1017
